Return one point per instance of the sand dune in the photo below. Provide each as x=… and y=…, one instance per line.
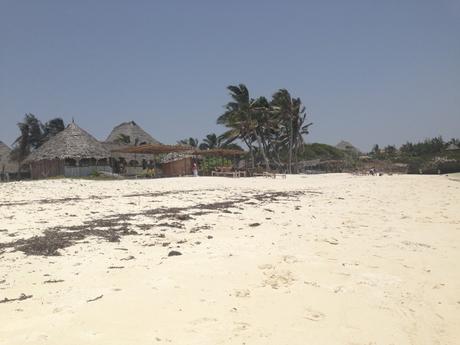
x=327, y=259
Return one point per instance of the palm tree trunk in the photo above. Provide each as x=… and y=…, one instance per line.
x=296, y=158
x=290, y=146
x=251, y=153
x=264, y=155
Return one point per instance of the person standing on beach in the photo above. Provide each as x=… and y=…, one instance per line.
x=195, y=170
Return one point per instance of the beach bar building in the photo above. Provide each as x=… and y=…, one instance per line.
x=177, y=164
x=70, y=153
x=126, y=135
x=178, y=160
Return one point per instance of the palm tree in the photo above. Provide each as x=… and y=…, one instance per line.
x=238, y=118
x=265, y=122
x=292, y=116
x=51, y=128
x=211, y=141
x=275, y=126
x=31, y=137
x=193, y=142
x=300, y=128
x=282, y=102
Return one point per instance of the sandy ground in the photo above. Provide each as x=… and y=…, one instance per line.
x=327, y=259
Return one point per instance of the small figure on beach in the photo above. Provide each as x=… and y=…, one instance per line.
x=151, y=172
x=195, y=170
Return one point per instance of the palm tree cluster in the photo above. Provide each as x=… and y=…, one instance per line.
x=427, y=147
x=33, y=134
x=272, y=130
x=211, y=141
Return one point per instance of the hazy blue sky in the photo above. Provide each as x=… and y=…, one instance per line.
x=368, y=71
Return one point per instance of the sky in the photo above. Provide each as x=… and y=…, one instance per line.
x=367, y=71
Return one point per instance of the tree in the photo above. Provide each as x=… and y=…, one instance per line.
x=274, y=127
x=266, y=123
x=31, y=137
x=454, y=141
x=407, y=149
x=375, y=152
x=292, y=115
x=51, y=128
x=300, y=128
x=211, y=141
x=390, y=151
x=33, y=134
x=193, y=142
x=238, y=118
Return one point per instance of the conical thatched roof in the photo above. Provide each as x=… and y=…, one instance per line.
x=4, y=150
x=452, y=147
x=6, y=164
x=72, y=142
x=135, y=133
x=346, y=146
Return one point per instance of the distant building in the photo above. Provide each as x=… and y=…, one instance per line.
x=131, y=130
x=346, y=146
x=8, y=167
x=452, y=147
x=72, y=152
x=124, y=135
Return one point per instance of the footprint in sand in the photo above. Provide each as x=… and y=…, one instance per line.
x=243, y=293
x=313, y=315
x=266, y=267
x=241, y=326
x=203, y=320
x=289, y=259
x=278, y=279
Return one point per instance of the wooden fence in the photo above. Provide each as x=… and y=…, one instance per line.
x=180, y=167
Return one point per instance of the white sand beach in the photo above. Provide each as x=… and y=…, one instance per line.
x=324, y=259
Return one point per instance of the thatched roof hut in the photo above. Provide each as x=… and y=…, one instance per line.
x=4, y=149
x=6, y=164
x=129, y=135
x=156, y=149
x=73, y=143
x=72, y=152
x=346, y=146
x=131, y=130
x=452, y=147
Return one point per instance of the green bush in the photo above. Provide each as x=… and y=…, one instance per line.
x=320, y=151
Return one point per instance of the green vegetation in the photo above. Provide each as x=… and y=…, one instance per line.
x=33, y=134
x=267, y=128
x=429, y=156
x=211, y=163
x=211, y=141
x=321, y=151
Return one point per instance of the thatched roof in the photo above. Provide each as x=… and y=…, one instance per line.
x=135, y=133
x=452, y=147
x=72, y=142
x=6, y=164
x=346, y=146
x=159, y=149
x=219, y=152
x=154, y=149
x=175, y=156
x=4, y=150
x=116, y=152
